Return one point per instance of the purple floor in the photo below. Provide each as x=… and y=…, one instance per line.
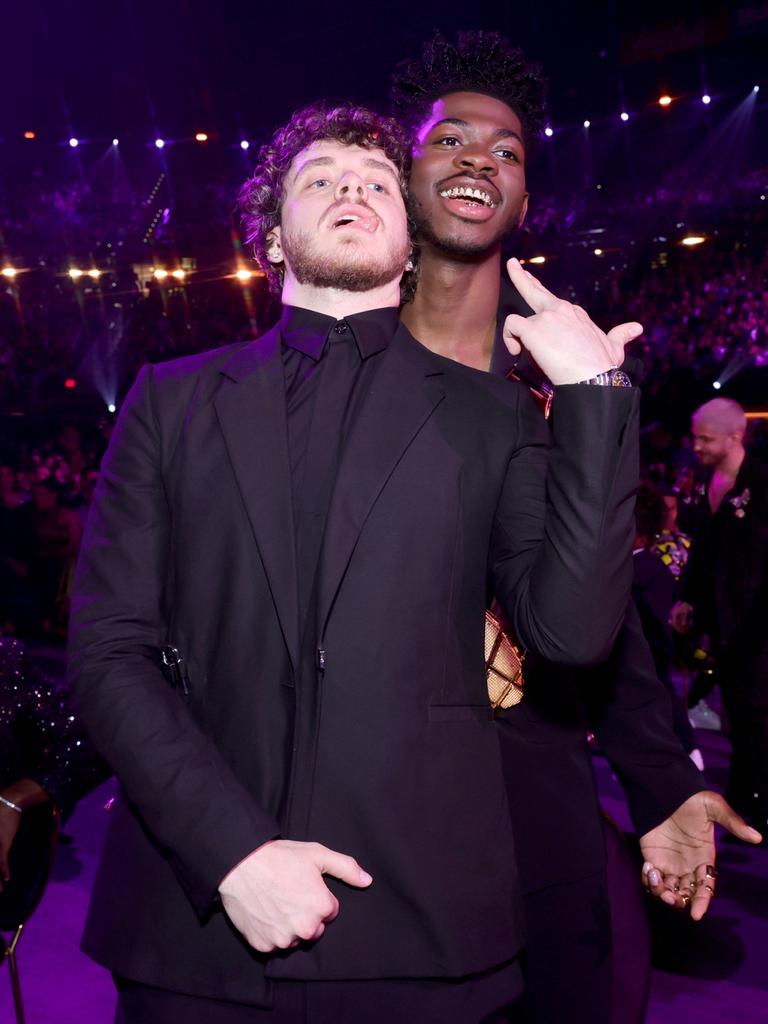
x=711, y=973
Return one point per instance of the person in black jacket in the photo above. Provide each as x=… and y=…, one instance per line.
x=313, y=822
x=474, y=109
x=725, y=591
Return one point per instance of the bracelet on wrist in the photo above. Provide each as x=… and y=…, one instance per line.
x=10, y=803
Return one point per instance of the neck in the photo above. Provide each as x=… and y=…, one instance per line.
x=731, y=464
x=336, y=302
x=454, y=309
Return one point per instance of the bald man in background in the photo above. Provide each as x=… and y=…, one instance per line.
x=725, y=592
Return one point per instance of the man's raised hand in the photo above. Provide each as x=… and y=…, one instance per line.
x=560, y=337
x=276, y=897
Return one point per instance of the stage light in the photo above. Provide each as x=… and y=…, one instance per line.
x=624, y=115
x=115, y=142
x=717, y=385
x=664, y=101
x=536, y=259
x=159, y=274
x=587, y=124
x=245, y=144
x=706, y=99
x=111, y=407
x=179, y=274
x=160, y=143
x=9, y=272
x=29, y=135
x=548, y=132
x=74, y=143
x=94, y=273
x=763, y=198
x=74, y=273
x=598, y=252
x=201, y=137
x=70, y=383
x=691, y=240
x=755, y=88
x=243, y=274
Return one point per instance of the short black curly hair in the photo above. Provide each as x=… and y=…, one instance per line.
x=261, y=197
x=478, y=61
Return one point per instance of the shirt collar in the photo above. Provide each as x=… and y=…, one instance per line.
x=307, y=330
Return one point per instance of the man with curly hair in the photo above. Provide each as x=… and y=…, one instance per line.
x=474, y=109
x=278, y=708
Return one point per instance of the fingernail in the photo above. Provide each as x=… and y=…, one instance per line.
x=654, y=877
x=669, y=898
x=647, y=867
x=365, y=878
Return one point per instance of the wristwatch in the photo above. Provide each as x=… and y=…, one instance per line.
x=610, y=379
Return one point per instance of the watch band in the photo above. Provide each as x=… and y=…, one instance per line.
x=613, y=378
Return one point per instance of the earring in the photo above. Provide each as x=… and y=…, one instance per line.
x=409, y=264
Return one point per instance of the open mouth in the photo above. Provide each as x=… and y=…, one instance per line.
x=363, y=222
x=472, y=196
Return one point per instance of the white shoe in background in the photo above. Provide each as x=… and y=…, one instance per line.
x=703, y=717
x=698, y=760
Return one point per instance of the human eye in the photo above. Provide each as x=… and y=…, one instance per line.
x=448, y=141
x=508, y=154
x=376, y=186
x=318, y=183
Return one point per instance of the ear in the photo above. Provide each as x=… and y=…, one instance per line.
x=523, y=210
x=274, y=246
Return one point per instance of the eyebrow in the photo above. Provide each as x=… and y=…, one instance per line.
x=500, y=133
x=328, y=161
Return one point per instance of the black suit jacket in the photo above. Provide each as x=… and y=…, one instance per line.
x=555, y=811
x=447, y=482
x=726, y=577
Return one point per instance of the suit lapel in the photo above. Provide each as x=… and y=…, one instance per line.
x=251, y=411
x=406, y=390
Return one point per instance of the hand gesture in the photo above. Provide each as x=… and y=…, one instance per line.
x=276, y=897
x=560, y=337
x=679, y=853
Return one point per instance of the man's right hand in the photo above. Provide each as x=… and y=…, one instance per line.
x=276, y=897
x=680, y=617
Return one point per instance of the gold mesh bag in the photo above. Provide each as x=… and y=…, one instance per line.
x=503, y=665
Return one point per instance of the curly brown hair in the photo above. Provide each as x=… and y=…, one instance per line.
x=260, y=199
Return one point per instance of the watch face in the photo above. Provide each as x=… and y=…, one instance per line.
x=619, y=379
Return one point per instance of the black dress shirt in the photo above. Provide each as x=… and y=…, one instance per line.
x=329, y=367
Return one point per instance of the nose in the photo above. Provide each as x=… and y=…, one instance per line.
x=477, y=160
x=350, y=187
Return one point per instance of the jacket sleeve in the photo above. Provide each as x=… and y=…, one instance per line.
x=631, y=715
x=560, y=559
x=171, y=771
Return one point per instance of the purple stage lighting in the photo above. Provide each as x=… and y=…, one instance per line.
x=706, y=99
x=245, y=144
x=74, y=143
x=624, y=115
x=160, y=143
x=587, y=124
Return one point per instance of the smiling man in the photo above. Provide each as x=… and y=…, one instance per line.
x=474, y=110
x=301, y=530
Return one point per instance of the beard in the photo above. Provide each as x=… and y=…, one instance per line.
x=349, y=268
x=457, y=246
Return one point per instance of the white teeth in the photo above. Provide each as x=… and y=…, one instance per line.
x=460, y=191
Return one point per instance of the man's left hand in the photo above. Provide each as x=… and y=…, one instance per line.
x=679, y=853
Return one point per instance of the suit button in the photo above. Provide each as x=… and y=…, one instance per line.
x=341, y=327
